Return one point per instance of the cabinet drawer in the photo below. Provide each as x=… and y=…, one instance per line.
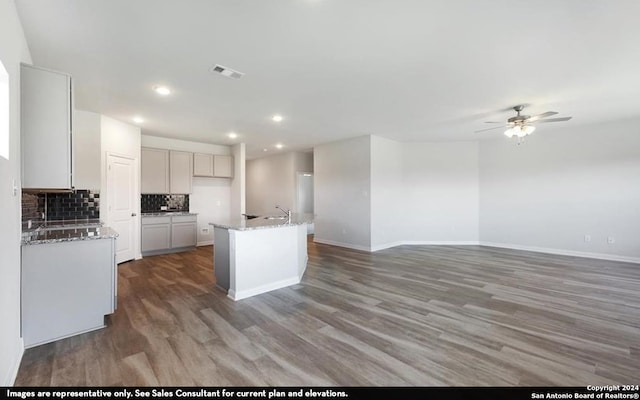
x=184, y=218
x=156, y=220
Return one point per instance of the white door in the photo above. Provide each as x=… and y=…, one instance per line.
x=121, y=204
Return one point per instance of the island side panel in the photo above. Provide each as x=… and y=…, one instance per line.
x=221, y=257
x=303, y=256
x=263, y=260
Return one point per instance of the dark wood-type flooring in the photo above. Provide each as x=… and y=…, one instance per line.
x=410, y=316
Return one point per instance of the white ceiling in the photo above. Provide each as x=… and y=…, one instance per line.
x=407, y=70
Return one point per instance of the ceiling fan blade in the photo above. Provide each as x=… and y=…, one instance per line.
x=553, y=120
x=539, y=116
x=488, y=129
x=494, y=122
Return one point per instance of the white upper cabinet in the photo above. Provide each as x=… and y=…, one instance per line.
x=154, y=171
x=166, y=171
x=47, y=153
x=202, y=164
x=210, y=165
x=86, y=142
x=181, y=171
x=223, y=166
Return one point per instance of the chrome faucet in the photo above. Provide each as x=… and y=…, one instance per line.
x=286, y=212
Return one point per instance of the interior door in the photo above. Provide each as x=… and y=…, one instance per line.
x=122, y=210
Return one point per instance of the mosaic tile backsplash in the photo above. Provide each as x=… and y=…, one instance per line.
x=174, y=202
x=80, y=205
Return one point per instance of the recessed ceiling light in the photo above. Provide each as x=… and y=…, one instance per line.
x=279, y=146
x=138, y=120
x=232, y=135
x=277, y=118
x=162, y=90
x=265, y=149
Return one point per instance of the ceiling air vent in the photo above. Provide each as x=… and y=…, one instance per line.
x=228, y=72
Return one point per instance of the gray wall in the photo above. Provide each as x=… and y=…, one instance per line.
x=439, y=194
x=562, y=184
x=387, y=207
x=342, y=183
x=13, y=50
x=412, y=192
x=272, y=180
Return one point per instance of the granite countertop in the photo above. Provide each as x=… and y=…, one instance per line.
x=166, y=213
x=262, y=222
x=67, y=234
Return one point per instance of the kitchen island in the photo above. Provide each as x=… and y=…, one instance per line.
x=254, y=256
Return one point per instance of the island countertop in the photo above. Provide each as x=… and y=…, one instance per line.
x=263, y=222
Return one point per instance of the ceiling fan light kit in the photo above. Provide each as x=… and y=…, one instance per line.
x=521, y=126
x=520, y=131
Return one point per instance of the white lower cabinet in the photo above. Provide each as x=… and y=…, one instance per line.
x=67, y=288
x=183, y=231
x=156, y=233
x=168, y=234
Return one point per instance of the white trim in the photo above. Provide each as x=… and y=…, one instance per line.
x=205, y=243
x=340, y=244
x=243, y=294
x=598, y=256
x=12, y=373
x=426, y=243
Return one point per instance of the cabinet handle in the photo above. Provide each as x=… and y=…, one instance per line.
x=133, y=214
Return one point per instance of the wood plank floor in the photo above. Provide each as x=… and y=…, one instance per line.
x=411, y=315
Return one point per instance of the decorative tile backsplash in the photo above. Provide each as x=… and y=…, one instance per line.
x=174, y=202
x=80, y=205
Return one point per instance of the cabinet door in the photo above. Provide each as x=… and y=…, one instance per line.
x=156, y=237
x=183, y=234
x=202, y=164
x=154, y=171
x=181, y=171
x=223, y=166
x=66, y=289
x=86, y=138
x=45, y=128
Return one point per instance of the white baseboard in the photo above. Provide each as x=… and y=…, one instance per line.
x=426, y=243
x=243, y=294
x=205, y=243
x=341, y=244
x=598, y=256
x=10, y=378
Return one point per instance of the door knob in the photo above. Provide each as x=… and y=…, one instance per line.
x=133, y=214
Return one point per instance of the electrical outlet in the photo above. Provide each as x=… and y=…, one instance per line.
x=611, y=240
x=587, y=238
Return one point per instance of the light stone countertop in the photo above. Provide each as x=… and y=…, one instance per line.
x=67, y=234
x=261, y=222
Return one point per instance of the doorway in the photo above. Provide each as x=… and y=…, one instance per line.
x=304, y=196
x=121, y=204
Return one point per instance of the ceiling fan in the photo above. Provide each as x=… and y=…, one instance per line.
x=523, y=125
